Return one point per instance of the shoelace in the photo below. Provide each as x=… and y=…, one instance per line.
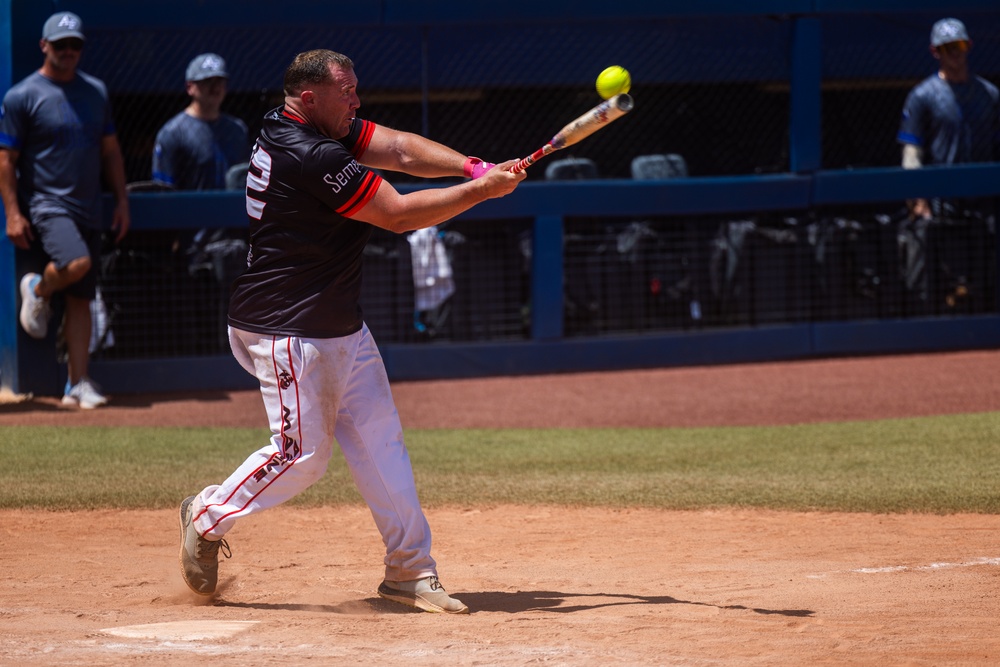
x=435, y=584
x=211, y=548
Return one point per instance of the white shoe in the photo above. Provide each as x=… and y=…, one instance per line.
x=84, y=395
x=427, y=594
x=35, y=311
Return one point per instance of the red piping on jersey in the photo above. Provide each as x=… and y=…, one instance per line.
x=276, y=455
x=288, y=114
x=369, y=186
x=361, y=145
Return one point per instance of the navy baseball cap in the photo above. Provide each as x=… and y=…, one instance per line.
x=947, y=31
x=206, y=66
x=62, y=25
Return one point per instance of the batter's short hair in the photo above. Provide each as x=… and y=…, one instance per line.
x=312, y=67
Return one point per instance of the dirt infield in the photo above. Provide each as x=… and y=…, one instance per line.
x=547, y=585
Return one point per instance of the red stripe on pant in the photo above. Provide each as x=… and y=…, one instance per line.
x=290, y=448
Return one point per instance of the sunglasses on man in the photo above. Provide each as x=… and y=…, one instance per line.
x=960, y=46
x=74, y=43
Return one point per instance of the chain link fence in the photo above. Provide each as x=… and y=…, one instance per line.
x=712, y=99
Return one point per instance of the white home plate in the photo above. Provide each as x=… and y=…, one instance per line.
x=181, y=630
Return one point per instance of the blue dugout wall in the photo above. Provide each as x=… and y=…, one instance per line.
x=449, y=27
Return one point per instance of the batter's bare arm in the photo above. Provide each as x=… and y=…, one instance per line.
x=411, y=154
x=18, y=227
x=403, y=213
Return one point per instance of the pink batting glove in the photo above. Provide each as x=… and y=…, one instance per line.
x=474, y=167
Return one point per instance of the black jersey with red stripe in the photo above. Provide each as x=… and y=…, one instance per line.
x=303, y=273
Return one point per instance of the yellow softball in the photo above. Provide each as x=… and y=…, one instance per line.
x=615, y=80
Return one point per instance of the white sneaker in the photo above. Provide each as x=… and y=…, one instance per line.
x=35, y=311
x=427, y=594
x=83, y=394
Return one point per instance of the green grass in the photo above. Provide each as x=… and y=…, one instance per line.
x=939, y=465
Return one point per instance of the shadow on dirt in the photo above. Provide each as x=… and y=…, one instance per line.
x=513, y=603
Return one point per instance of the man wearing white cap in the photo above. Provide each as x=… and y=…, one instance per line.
x=196, y=148
x=57, y=139
x=950, y=117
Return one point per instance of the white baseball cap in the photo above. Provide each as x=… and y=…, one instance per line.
x=947, y=31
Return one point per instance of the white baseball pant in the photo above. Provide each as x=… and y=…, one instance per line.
x=316, y=390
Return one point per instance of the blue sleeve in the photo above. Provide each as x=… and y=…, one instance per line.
x=164, y=154
x=12, y=121
x=911, y=125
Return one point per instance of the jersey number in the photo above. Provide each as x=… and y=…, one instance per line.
x=258, y=179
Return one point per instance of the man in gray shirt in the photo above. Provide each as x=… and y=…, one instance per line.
x=950, y=117
x=57, y=138
x=196, y=148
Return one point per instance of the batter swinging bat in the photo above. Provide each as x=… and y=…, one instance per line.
x=582, y=127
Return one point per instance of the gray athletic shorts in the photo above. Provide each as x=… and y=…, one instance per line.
x=63, y=240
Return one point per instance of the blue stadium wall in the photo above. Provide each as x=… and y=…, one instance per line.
x=26, y=365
